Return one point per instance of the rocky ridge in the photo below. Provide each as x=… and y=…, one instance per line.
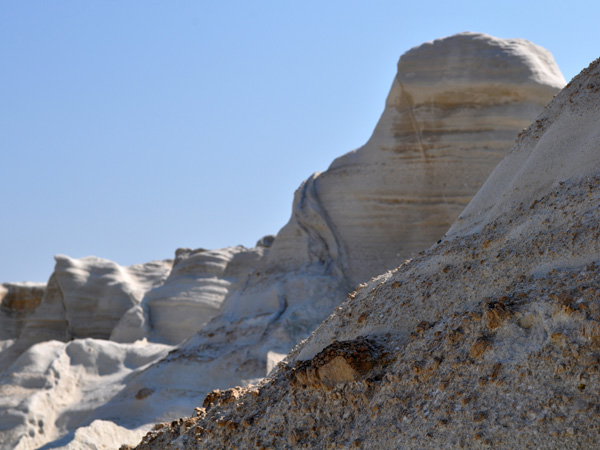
x=371, y=209
x=488, y=339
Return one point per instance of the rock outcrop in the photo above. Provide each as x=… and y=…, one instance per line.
x=454, y=109
x=191, y=295
x=85, y=298
x=88, y=301
x=488, y=339
x=17, y=302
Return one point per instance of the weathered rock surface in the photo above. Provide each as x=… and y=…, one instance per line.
x=191, y=295
x=90, y=382
x=97, y=292
x=85, y=298
x=454, y=109
x=17, y=302
x=55, y=387
x=370, y=210
x=374, y=206
x=488, y=339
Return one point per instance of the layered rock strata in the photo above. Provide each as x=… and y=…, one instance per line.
x=17, y=302
x=491, y=338
x=454, y=109
x=191, y=295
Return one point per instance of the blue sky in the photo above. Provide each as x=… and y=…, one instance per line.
x=129, y=129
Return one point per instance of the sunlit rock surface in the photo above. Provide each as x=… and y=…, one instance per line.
x=444, y=127
x=191, y=295
x=54, y=388
x=85, y=297
x=489, y=339
x=454, y=109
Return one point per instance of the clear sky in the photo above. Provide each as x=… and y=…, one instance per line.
x=131, y=128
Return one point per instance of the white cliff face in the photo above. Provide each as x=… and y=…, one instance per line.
x=448, y=120
x=454, y=109
x=191, y=295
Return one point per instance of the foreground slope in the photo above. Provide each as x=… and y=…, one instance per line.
x=490, y=338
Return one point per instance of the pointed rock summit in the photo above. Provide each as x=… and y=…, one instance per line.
x=489, y=339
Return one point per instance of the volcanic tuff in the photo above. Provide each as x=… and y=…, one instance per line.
x=491, y=338
x=455, y=107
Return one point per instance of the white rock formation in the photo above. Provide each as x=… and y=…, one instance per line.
x=489, y=339
x=562, y=144
x=453, y=111
x=434, y=145
x=55, y=387
x=190, y=296
x=85, y=298
x=17, y=302
x=444, y=128
x=167, y=305
x=97, y=292
x=374, y=206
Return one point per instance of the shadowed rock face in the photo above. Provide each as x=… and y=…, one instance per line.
x=491, y=338
x=454, y=109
